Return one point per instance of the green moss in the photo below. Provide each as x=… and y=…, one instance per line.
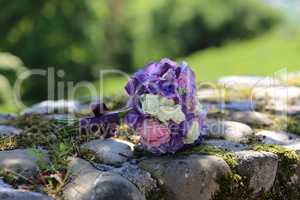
x=232, y=185
x=8, y=143
x=283, y=188
x=89, y=155
x=287, y=124
x=293, y=126
x=235, y=187
x=286, y=157
x=37, y=131
x=11, y=178
x=204, y=149
x=161, y=193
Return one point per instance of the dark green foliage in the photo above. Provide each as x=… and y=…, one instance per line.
x=81, y=36
x=48, y=33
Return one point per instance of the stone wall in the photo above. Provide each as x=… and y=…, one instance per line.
x=251, y=151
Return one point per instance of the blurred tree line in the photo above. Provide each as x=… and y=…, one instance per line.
x=82, y=36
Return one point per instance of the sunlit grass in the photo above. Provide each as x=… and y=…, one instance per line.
x=266, y=55
x=5, y=108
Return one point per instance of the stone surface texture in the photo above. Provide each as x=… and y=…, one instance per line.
x=248, y=81
x=259, y=167
x=229, y=130
x=22, y=162
x=12, y=194
x=8, y=193
x=225, y=145
x=9, y=131
x=140, y=178
x=88, y=183
x=50, y=107
x=110, y=151
x=194, y=177
x=279, y=138
x=252, y=118
x=6, y=118
x=278, y=94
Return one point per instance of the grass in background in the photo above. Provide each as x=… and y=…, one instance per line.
x=264, y=55
x=8, y=108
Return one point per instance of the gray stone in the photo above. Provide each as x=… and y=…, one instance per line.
x=87, y=183
x=103, y=167
x=7, y=193
x=252, y=118
x=3, y=184
x=229, y=130
x=279, y=138
x=259, y=167
x=231, y=106
x=240, y=106
x=210, y=94
x=9, y=131
x=50, y=107
x=226, y=145
x=248, y=81
x=282, y=108
x=110, y=151
x=287, y=94
x=295, y=179
x=60, y=117
x=6, y=118
x=193, y=177
x=22, y=162
x=287, y=140
x=140, y=178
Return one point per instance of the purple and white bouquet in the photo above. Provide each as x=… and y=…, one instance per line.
x=164, y=109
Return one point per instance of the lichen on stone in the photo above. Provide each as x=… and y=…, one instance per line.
x=283, y=187
x=228, y=156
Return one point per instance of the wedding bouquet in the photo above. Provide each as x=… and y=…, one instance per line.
x=164, y=109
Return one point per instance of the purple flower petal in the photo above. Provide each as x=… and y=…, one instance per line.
x=167, y=89
x=133, y=119
x=104, y=125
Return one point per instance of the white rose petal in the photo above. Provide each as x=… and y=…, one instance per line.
x=193, y=133
x=150, y=104
x=199, y=108
x=171, y=113
x=162, y=108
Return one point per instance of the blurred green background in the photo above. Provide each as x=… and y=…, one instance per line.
x=216, y=37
